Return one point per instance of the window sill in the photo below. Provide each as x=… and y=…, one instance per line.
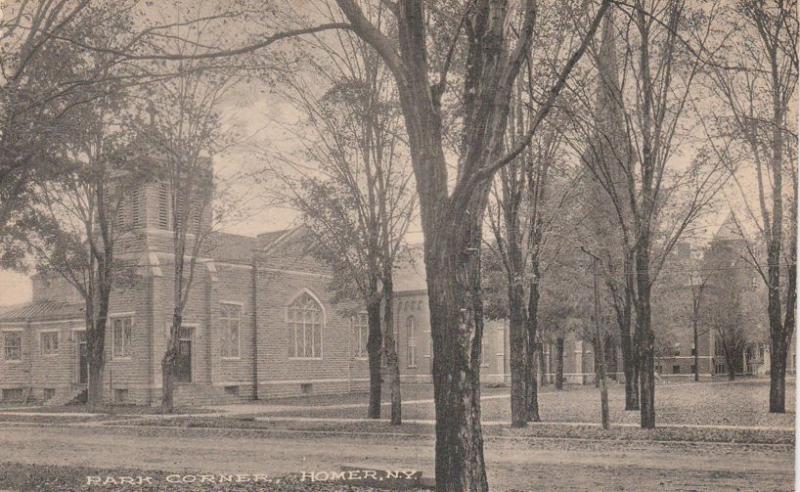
x=122, y=357
x=12, y=361
x=231, y=357
x=305, y=358
x=50, y=355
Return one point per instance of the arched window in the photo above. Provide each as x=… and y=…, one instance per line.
x=306, y=318
x=411, y=333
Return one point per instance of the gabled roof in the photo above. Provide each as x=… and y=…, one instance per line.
x=44, y=311
x=231, y=247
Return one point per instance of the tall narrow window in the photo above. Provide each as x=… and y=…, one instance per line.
x=123, y=335
x=411, y=334
x=305, y=319
x=136, y=208
x=12, y=345
x=163, y=206
x=179, y=210
x=360, y=335
x=49, y=342
x=230, y=319
x=120, y=204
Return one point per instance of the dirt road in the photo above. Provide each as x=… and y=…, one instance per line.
x=536, y=464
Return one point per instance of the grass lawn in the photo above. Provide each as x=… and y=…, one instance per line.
x=234, y=426
x=742, y=403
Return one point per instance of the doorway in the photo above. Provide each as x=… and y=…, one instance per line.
x=183, y=362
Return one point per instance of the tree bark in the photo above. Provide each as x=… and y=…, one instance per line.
x=533, y=389
x=457, y=328
x=95, y=347
x=646, y=342
x=777, y=378
x=169, y=364
x=394, y=362
x=374, y=352
x=560, y=363
x=517, y=360
x=696, y=348
x=531, y=335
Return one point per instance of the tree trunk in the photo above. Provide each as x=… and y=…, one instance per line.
x=778, y=341
x=777, y=375
x=169, y=365
x=533, y=386
x=374, y=351
x=518, y=360
x=394, y=362
x=94, y=387
x=646, y=344
x=601, y=377
x=168, y=382
x=560, y=363
x=629, y=366
x=531, y=335
x=453, y=275
x=95, y=348
x=696, y=348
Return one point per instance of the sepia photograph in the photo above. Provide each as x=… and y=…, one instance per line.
x=377, y=245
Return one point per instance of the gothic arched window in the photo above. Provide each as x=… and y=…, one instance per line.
x=306, y=319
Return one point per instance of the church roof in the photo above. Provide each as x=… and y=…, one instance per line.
x=43, y=311
x=729, y=230
x=230, y=247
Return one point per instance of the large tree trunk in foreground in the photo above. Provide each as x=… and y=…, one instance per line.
x=374, y=346
x=453, y=274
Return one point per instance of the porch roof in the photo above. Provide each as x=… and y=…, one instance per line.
x=43, y=311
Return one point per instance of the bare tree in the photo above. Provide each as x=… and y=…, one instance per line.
x=355, y=194
x=81, y=214
x=528, y=204
x=653, y=197
x=182, y=134
x=756, y=77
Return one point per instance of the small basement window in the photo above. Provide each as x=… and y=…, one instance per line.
x=49, y=393
x=232, y=390
x=676, y=369
x=13, y=394
x=306, y=388
x=120, y=395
